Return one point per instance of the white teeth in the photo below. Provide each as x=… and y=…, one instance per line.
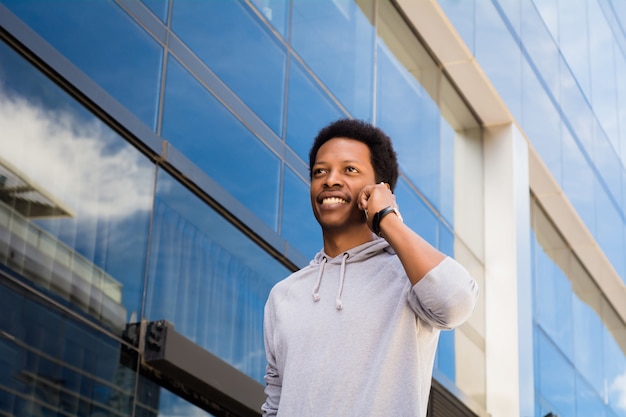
x=333, y=200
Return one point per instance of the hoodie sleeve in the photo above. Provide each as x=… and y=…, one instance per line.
x=273, y=379
x=446, y=296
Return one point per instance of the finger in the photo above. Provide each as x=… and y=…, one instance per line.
x=364, y=196
x=380, y=196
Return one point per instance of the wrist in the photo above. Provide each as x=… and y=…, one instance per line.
x=380, y=215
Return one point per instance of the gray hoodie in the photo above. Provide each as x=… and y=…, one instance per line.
x=350, y=336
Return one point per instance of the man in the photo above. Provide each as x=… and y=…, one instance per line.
x=355, y=332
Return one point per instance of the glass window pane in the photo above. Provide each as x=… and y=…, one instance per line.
x=553, y=293
x=541, y=122
x=574, y=38
x=555, y=378
x=239, y=49
x=309, y=109
x=445, y=357
x=416, y=214
x=446, y=240
x=199, y=126
x=171, y=405
x=588, y=401
x=603, y=77
x=576, y=110
x=447, y=171
x=342, y=51
x=276, y=12
x=102, y=40
x=588, y=343
x=495, y=45
x=299, y=226
x=615, y=368
x=208, y=279
x=53, y=364
x=578, y=181
x=548, y=9
x=620, y=86
x=606, y=157
x=598, y=363
x=76, y=197
x=609, y=230
x=542, y=49
x=158, y=7
x=409, y=116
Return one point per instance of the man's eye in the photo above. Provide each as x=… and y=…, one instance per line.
x=318, y=171
x=352, y=169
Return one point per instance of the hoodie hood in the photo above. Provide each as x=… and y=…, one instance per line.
x=359, y=253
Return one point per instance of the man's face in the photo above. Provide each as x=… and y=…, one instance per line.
x=341, y=169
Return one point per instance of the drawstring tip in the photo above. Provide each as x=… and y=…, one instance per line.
x=316, y=297
x=339, y=305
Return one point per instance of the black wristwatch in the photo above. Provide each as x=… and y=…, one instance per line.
x=379, y=216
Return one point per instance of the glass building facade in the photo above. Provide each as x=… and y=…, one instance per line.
x=154, y=167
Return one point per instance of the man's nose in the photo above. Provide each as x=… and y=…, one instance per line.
x=333, y=179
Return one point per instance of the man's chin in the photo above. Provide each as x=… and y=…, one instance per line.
x=338, y=224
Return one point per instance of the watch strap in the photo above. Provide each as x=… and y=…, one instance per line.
x=379, y=216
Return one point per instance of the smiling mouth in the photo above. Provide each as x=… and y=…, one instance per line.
x=333, y=200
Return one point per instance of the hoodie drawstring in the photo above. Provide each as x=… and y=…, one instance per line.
x=338, y=302
x=316, y=296
x=318, y=283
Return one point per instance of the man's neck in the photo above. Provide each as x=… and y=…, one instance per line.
x=336, y=243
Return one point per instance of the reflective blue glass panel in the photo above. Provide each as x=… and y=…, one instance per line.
x=620, y=86
x=276, y=12
x=555, y=377
x=588, y=332
x=541, y=122
x=416, y=214
x=588, y=401
x=578, y=180
x=299, y=226
x=208, y=279
x=620, y=9
x=542, y=49
x=498, y=53
x=158, y=7
x=76, y=197
x=199, y=126
x=240, y=49
x=309, y=109
x=548, y=9
x=446, y=240
x=336, y=40
x=445, y=357
x=573, y=38
x=610, y=230
x=577, y=113
x=607, y=160
x=598, y=364
x=553, y=293
x=172, y=405
x=602, y=63
x=447, y=138
x=513, y=12
x=102, y=40
x=411, y=118
x=615, y=371
x=54, y=364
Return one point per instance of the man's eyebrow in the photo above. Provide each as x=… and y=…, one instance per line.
x=345, y=161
